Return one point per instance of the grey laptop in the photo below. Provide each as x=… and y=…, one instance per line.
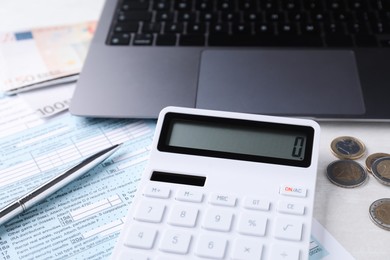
x=308, y=58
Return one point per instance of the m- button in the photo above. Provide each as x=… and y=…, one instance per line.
x=189, y=195
x=222, y=199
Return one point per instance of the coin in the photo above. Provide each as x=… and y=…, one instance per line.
x=346, y=173
x=347, y=147
x=380, y=213
x=372, y=158
x=381, y=170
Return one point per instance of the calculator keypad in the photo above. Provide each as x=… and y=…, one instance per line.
x=203, y=224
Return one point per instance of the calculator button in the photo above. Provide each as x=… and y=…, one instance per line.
x=291, y=208
x=189, y=195
x=252, y=224
x=210, y=246
x=150, y=211
x=256, y=204
x=182, y=215
x=288, y=229
x=284, y=252
x=222, y=199
x=157, y=192
x=176, y=242
x=219, y=220
x=291, y=190
x=247, y=249
x=140, y=237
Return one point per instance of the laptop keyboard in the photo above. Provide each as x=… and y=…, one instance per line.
x=290, y=23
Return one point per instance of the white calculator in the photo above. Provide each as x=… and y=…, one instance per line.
x=223, y=185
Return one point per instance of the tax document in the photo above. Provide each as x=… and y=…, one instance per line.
x=83, y=219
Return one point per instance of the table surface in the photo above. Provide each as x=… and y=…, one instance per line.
x=343, y=212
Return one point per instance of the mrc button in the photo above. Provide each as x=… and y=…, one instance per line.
x=291, y=190
x=222, y=199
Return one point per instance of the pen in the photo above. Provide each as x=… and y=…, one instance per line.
x=22, y=204
x=47, y=83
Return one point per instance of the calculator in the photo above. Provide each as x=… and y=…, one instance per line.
x=224, y=185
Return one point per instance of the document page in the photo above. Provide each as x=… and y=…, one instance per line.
x=16, y=116
x=83, y=219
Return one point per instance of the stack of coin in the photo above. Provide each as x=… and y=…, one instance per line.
x=345, y=172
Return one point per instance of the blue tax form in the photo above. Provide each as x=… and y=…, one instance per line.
x=83, y=219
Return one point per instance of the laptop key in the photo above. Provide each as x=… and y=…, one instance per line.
x=126, y=27
x=151, y=28
x=135, y=16
x=242, y=28
x=186, y=16
x=162, y=5
x=235, y=40
x=339, y=41
x=135, y=5
x=204, y=5
x=120, y=39
x=166, y=40
x=143, y=39
x=192, y=40
x=365, y=40
x=265, y=40
x=164, y=16
x=265, y=28
x=219, y=28
x=195, y=28
x=183, y=5
x=173, y=28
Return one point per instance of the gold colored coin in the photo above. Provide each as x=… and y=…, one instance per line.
x=380, y=213
x=348, y=147
x=346, y=173
x=381, y=170
x=372, y=158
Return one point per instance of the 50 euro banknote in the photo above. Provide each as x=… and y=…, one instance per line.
x=38, y=55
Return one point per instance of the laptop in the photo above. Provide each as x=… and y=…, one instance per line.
x=323, y=59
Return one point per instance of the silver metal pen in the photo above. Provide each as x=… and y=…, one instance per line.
x=20, y=205
x=46, y=83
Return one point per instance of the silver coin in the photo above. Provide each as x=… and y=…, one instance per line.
x=380, y=213
x=347, y=147
x=346, y=173
x=372, y=158
x=381, y=170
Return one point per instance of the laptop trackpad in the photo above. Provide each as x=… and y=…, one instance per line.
x=280, y=82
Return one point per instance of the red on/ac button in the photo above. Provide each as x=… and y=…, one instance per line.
x=291, y=190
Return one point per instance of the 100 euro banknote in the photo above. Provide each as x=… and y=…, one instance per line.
x=41, y=54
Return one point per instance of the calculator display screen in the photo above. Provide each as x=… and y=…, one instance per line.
x=237, y=139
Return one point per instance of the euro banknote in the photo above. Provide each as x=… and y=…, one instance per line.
x=37, y=55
